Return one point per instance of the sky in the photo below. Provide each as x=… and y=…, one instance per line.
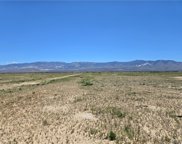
x=90, y=30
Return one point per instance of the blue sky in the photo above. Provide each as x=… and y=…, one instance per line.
x=90, y=30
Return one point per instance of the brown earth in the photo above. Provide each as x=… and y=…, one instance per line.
x=85, y=108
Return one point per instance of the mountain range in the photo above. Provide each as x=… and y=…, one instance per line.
x=137, y=65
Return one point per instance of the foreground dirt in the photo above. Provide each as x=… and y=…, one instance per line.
x=137, y=109
x=179, y=78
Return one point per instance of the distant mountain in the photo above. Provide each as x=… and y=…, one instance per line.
x=137, y=65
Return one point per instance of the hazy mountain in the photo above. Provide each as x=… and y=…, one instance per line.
x=137, y=65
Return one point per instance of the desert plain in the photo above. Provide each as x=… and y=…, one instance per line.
x=91, y=108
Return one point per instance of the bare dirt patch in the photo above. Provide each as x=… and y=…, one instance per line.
x=56, y=109
x=85, y=116
x=178, y=78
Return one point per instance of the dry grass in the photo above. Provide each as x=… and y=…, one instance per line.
x=117, y=108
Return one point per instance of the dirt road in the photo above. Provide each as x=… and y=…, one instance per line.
x=35, y=82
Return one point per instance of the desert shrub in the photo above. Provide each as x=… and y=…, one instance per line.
x=86, y=82
x=129, y=131
x=78, y=99
x=93, y=131
x=45, y=123
x=116, y=111
x=130, y=93
x=111, y=136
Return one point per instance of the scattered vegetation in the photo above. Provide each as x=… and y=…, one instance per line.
x=118, y=107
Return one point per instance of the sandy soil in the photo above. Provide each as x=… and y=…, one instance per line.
x=179, y=78
x=137, y=109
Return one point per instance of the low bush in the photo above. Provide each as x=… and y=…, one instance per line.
x=129, y=131
x=111, y=136
x=86, y=82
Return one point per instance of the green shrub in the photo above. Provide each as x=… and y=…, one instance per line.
x=93, y=131
x=111, y=136
x=86, y=82
x=78, y=99
x=116, y=111
x=129, y=131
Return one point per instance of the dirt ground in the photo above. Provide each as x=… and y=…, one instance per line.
x=179, y=78
x=91, y=108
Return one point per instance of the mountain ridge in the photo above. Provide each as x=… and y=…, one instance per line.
x=136, y=65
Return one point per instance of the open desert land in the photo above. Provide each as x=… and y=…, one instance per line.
x=91, y=108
